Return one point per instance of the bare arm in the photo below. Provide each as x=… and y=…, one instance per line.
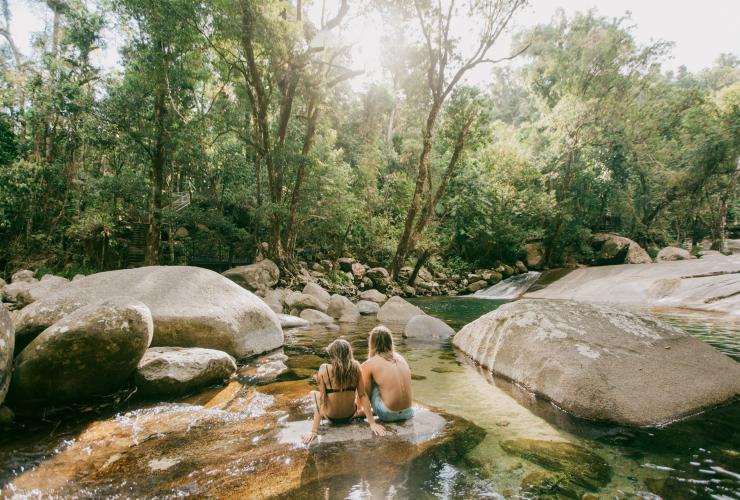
x=377, y=429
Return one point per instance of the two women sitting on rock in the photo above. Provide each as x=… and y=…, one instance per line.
x=343, y=385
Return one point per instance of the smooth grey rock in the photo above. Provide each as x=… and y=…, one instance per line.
x=673, y=253
x=373, y=296
x=275, y=298
x=615, y=249
x=174, y=371
x=367, y=307
x=315, y=290
x=535, y=252
x=78, y=277
x=24, y=275
x=601, y=362
x=477, y=285
x=299, y=301
x=342, y=309
x=190, y=306
x=257, y=277
x=398, y=311
x=269, y=371
x=288, y=321
x=427, y=327
x=705, y=284
x=380, y=277
x=90, y=352
x=7, y=345
x=316, y=317
x=22, y=293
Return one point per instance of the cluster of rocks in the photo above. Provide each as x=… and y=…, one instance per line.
x=165, y=330
x=348, y=277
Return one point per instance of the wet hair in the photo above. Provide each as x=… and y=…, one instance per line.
x=345, y=371
x=380, y=343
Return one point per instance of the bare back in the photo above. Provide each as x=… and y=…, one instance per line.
x=393, y=378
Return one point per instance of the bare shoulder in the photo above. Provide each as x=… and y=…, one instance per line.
x=400, y=358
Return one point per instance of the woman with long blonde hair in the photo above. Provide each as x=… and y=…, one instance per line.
x=341, y=387
x=387, y=376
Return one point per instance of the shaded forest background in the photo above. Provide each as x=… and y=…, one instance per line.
x=229, y=124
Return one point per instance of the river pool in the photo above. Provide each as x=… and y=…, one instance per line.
x=695, y=458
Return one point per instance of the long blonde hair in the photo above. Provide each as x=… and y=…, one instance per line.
x=345, y=372
x=380, y=343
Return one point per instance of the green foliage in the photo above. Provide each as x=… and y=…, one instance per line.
x=586, y=134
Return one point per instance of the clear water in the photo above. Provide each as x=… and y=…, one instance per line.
x=695, y=458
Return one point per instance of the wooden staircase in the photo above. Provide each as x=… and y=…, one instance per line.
x=139, y=230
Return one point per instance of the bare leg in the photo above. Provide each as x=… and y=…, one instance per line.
x=316, y=420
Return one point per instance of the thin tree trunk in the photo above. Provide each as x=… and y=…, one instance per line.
x=156, y=174
x=729, y=194
x=313, y=118
x=403, y=244
x=419, y=264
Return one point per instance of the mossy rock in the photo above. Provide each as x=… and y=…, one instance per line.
x=575, y=464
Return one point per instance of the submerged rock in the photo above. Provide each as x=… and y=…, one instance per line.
x=7, y=345
x=90, y=352
x=601, y=362
x=427, y=327
x=174, y=371
x=248, y=439
x=190, y=306
x=572, y=466
x=258, y=277
x=396, y=310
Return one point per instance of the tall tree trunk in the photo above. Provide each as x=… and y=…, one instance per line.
x=728, y=195
x=290, y=228
x=156, y=173
x=402, y=249
x=419, y=264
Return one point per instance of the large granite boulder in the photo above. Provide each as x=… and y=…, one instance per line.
x=373, y=296
x=427, y=327
x=314, y=289
x=258, y=277
x=250, y=439
x=615, y=249
x=673, y=253
x=705, y=284
x=342, y=309
x=191, y=307
x=88, y=353
x=601, y=362
x=174, y=371
x=7, y=344
x=398, y=311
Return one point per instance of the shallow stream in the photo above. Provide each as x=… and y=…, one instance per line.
x=696, y=458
